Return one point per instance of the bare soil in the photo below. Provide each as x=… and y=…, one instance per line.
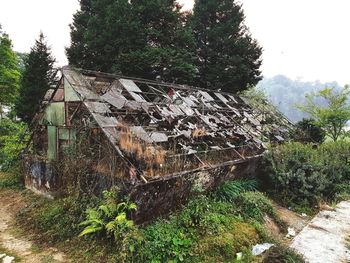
x=17, y=243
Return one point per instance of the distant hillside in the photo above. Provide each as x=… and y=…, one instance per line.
x=285, y=93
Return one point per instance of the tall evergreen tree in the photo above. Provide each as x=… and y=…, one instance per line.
x=169, y=48
x=227, y=56
x=37, y=77
x=137, y=38
x=9, y=71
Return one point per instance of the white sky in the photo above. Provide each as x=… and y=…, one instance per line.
x=308, y=39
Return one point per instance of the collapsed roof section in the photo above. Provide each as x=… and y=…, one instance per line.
x=161, y=129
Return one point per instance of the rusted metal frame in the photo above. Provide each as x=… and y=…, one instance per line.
x=242, y=127
x=205, y=168
x=145, y=81
x=154, y=89
x=209, y=151
x=74, y=112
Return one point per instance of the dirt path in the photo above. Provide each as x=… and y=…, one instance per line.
x=10, y=204
x=325, y=238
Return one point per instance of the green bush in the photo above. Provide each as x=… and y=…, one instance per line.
x=12, y=141
x=11, y=180
x=308, y=131
x=167, y=241
x=299, y=173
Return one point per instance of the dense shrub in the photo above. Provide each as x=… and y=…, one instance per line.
x=166, y=241
x=11, y=180
x=299, y=173
x=12, y=142
x=308, y=131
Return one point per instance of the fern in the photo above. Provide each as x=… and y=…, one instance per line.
x=109, y=219
x=229, y=191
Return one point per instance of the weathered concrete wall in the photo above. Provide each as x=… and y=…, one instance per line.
x=40, y=177
x=160, y=197
x=154, y=198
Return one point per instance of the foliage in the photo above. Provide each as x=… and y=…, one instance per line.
x=280, y=253
x=302, y=173
x=307, y=130
x=12, y=141
x=11, y=180
x=227, y=56
x=146, y=39
x=229, y=191
x=167, y=241
x=56, y=220
x=9, y=72
x=110, y=220
x=37, y=77
x=254, y=205
x=332, y=116
x=239, y=237
x=285, y=93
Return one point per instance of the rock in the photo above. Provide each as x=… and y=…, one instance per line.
x=8, y=259
x=261, y=248
x=291, y=232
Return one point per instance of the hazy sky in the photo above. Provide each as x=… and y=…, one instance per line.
x=309, y=39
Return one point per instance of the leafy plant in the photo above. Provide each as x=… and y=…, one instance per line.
x=167, y=241
x=302, y=173
x=110, y=217
x=110, y=220
x=330, y=109
x=307, y=130
x=229, y=191
x=254, y=205
x=12, y=142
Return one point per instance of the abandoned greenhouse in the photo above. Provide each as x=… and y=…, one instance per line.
x=154, y=140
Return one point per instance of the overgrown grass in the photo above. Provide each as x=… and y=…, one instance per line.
x=206, y=229
x=281, y=253
x=11, y=180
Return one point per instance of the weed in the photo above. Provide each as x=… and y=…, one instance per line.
x=254, y=205
x=280, y=253
x=232, y=189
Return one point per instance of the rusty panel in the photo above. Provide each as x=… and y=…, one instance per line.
x=59, y=95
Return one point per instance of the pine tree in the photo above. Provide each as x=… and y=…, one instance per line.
x=9, y=71
x=37, y=77
x=137, y=38
x=227, y=56
x=168, y=53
